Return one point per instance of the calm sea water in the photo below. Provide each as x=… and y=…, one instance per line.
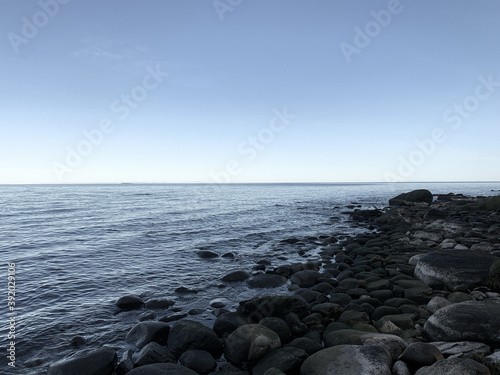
x=78, y=248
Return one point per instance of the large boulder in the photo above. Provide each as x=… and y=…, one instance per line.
x=467, y=321
x=96, y=362
x=349, y=360
x=190, y=335
x=153, y=353
x=452, y=268
x=415, y=196
x=278, y=306
x=228, y=322
x=130, y=302
x=266, y=281
x=162, y=369
x=146, y=332
x=305, y=278
x=199, y=360
x=236, y=276
x=249, y=343
x=457, y=366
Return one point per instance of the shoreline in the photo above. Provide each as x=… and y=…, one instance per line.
x=361, y=300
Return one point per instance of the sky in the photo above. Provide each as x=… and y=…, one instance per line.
x=234, y=91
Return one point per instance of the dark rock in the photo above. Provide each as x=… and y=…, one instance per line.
x=453, y=268
x=288, y=360
x=229, y=369
x=351, y=317
x=266, y=281
x=228, y=323
x=249, y=343
x=277, y=306
x=189, y=335
x=415, y=196
x=348, y=360
x=279, y=326
x=173, y=318
x=307, y=345
x=184, y=290
x=153, y=353
x=421, y=354
x=218, y=303
x=198, y=360
x=130, y=302
x=467, y=321
x=206, y=254
x=147, y=315
x=236, y=276
x=328, y=310
x=228, y=255
x=159, y=304
x=146, y=332
x=457, y=366
x=400, y=368
x=162, y=369
x=462, y=349
x=382, y=311
x=306, y=278
x=126, y=363
x=341, y=299
x=96, y=362
x=78, y=341
x=196, y=311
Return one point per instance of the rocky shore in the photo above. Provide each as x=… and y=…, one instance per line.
x=416, y=294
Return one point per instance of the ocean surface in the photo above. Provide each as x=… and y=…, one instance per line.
x=78, y=248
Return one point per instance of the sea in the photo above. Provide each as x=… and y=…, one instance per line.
x=78, y=248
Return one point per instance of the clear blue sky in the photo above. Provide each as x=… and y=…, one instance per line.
x=188, y=91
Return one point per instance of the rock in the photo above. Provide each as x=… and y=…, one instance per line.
x=444, y=268
x=78, y=341
x=372, y=286
x=266, y=281
x=162, y=369
x=227, y=323
x=147, y=315
x=458, y=297
x=306, y=278
x=173, y=318
x=146, y=332
x=279, y=326
x=415, y=196
x=400, y=368
x=198, y=360
x=456, y=366
x=351, y=317
x=236, y=276
x=437, y=303
x=287, y=360
x=229, y=369
x=126, y=363
x=428, y=236
x=393, y=344
x=218, y=303
x=467, y=321
x=382, y=311
x=277, y=306
x=386, y=326
x=184, y=290
x=348, y=360
x=307, y=345
x=228, y=255
x=96, y=362
x=130, y=302
x=421, y=354
x=153, y=353
x=206, y=254
x=189, y=335
x=328, y=310
x=462, y=349
x=159, y=304
x=249, y=343
x=493, y=360
x=274, y=371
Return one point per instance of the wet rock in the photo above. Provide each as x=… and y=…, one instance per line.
x=421, y=354
x=349, y=360
x=467, y=321
x=146, y=332
x=229, y=369
x=236, y=276
x=305, y=278
x=227, y=323
x=266, y=281
x=437, y=303
x=147, y=315
x=173, y=318
x=446, y=268
x=276, y=306
x=198, y=360
x=351, y=317
x=184, y=290
x=328, y=310
x=416, y=196
x=78, y=341
x=279, y=326
x=189, y=335
x=96, y=362
x=153, y=353
x=126, y=363
x=162, y=369
x=458, y=297
x=287, y=360
x=249, y=343
x=218, y=303
x=455, y=366
x=206, y=254
x=159, y=304
x=130, y=302
x=400, y=368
